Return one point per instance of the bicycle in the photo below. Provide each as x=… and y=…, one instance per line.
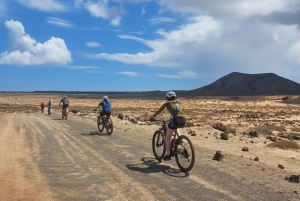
x=181, y=147
x=49, y=110
x=105, y=122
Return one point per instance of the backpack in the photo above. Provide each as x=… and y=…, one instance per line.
x=176, y=109
x=65, y=101
x=106, y=107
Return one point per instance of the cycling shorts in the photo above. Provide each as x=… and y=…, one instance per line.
x=178, y=123
x=102, y=113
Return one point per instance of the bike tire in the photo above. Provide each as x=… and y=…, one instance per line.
x=159, y=145
x=184, y=153
x=109, y=126
x=100, y=124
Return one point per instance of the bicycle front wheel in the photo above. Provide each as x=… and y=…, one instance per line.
x=158, y=145
x=100, y=124
x=184, y=153
x=109, y=126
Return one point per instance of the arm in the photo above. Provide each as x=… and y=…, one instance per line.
x=160, y=110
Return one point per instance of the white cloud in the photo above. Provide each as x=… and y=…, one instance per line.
x=159, y=20
x=44, y=5
x=116, y=21
x=230, y=8
x=25, y=51
x=93, y=44
x=173, y=47
x=78, y=3
x=143, y=12
x=128, y=73
x=101, y=9
x=59, y=22
x=180, y=75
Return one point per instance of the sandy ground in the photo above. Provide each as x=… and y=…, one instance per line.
x=24, y=181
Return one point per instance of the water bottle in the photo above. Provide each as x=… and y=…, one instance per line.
x=171, y=121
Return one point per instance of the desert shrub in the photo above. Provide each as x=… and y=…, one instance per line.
x=277, y=128
x=263, y=130
x=295, y=129
x=284, y=144
x=224, y=128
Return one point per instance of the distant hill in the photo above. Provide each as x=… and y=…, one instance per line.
x=241, y=84
x=233, y=84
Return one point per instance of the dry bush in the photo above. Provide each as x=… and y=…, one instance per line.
x=284, y=144
x=277, y=128
x=295, y=129
x=263, y=130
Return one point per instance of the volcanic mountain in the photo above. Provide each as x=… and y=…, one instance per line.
x=241, y=84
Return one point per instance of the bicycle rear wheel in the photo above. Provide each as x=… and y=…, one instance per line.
x=109, y=126
x=184, y=153
x=100, y=124
x=158, y=145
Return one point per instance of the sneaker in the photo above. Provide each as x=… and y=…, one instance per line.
x=167, y=158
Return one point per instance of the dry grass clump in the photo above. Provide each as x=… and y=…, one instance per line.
x=263, y=130
x=284, y=144
x=277, y=128
x=18, y=108
x=295, y=129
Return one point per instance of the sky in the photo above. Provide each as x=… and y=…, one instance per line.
x=144, y=45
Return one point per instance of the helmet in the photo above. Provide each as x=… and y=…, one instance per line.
x=65, y=96
x=105, y=98
x=170, y=94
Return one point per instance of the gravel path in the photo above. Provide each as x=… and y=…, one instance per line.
x=46, y=158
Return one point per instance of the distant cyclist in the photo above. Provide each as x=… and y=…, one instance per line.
x=106, y=107
x=65, y=103
x=49, y=104
x=177, y=119
x=43, y=104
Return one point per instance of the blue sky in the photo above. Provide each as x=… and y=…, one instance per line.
x=143, y=45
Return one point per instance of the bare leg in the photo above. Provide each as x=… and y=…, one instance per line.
x=168, y=139
x=177, y=131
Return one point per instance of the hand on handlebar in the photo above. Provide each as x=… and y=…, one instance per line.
x=152, y=119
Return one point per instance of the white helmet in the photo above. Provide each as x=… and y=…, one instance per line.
x=170, y=94
x=65, y=96
x=105, y=98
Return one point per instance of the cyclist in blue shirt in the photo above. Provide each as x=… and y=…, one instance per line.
x=106, y=109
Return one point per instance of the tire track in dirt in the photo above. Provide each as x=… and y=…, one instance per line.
x=20, y=177
x=67, y=160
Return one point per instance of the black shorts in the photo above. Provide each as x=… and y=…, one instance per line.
x=102, y=113
x=178, y=123
x=65, y=107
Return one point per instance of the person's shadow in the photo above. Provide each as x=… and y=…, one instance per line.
x=151, y=165
x=93, y=133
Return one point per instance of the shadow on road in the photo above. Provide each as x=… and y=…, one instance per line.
x=93, y=133
x=59, y=119
x=151, y=165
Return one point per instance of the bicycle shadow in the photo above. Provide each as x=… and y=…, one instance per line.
x=94, y=133
x=151, y=165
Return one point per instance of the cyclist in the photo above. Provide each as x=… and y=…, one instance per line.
x=65, y=103
x=106, y=107
x=177, y=119
x=43, y=104
x=49, y=104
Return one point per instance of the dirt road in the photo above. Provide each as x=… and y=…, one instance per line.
x=46, y=158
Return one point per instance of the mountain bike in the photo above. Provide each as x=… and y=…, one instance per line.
x=105, y=122
x=181, y=147
x=64, y=113
x=49, y=110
